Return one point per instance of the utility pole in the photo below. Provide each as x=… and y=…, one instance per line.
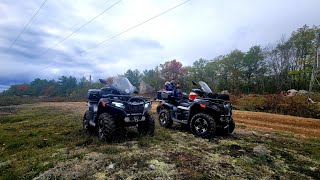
x=315, y=68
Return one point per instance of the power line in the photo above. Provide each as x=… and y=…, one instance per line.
x=85, y=24
x=133, y=27
x=172, y=8
x=27, y=25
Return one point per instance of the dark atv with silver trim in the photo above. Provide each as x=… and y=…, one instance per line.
x=112, y=108
x=204, y=112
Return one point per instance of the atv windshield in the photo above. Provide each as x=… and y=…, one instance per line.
x=123, y=84
x=205, y=87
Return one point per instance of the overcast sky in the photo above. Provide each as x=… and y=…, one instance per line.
x=197, y=29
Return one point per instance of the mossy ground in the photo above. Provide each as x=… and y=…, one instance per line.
x=47, y=141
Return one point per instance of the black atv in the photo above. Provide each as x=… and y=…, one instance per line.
x=204, y=112
x=112, y=108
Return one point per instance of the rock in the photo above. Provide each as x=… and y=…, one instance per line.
x=111, y=166
x=4, y=164
x=303, y=92
x=242, y=150
x=135, y=164
x=313, y=168
x=225, y=92
x=292, y=92
x=255, y=133
x=151, y=166
x=261, y=150
x=145, y=88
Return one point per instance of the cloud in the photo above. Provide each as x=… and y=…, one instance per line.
x=198, y=29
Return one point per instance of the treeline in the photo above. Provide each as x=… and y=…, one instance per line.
x=286, y=64
x=63, y=87
x=276, y=67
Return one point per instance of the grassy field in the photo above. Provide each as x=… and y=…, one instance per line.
x=46, y=141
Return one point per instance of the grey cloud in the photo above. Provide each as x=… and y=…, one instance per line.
x=213, y=28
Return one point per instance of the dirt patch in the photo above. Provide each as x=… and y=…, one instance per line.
x=307, y=127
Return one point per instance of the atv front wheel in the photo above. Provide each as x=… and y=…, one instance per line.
x=230, y=129
x=165, y=118
x=146, y=127
x=203, y=125
x=106, y=127
x=85, y=123
x=159, y=109
x=232, y=126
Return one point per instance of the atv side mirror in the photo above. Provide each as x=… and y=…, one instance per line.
x=103, y=81
x=194, y=83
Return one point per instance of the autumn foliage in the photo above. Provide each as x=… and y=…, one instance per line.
x=173, y=70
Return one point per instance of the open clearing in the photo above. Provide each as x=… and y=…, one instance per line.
x=46, y=141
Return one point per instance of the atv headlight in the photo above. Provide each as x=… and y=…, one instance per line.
x=227, y=106
x=118, y=104
x=147, y=105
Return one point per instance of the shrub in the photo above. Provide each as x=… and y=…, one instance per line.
x=249, y=102
x=15, y=100
x=299, y=106
x=295, y=106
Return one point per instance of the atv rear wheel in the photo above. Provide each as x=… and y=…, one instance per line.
x=165, y=118
x=106, y=127
x=85, y=123
x=146, y=127
x=203, y=125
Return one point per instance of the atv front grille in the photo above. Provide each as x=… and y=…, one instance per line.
x=138, y=108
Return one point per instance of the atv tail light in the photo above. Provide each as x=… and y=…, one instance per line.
x=203, y=105
x=103, y=104
x=192, y=96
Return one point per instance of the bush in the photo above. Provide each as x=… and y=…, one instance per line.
x=15, y=100
x=295, y=106
x=250, y=103
x=299, y=106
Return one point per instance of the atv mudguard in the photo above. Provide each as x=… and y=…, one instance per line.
x=203, y=106
x=165, y=105
x=209, y=106
x=93, y=108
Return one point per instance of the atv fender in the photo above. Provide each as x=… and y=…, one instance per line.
x=208, y=109
x=166, y=105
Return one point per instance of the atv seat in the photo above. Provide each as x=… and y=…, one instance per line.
x=225, y=97
x=184, y=104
